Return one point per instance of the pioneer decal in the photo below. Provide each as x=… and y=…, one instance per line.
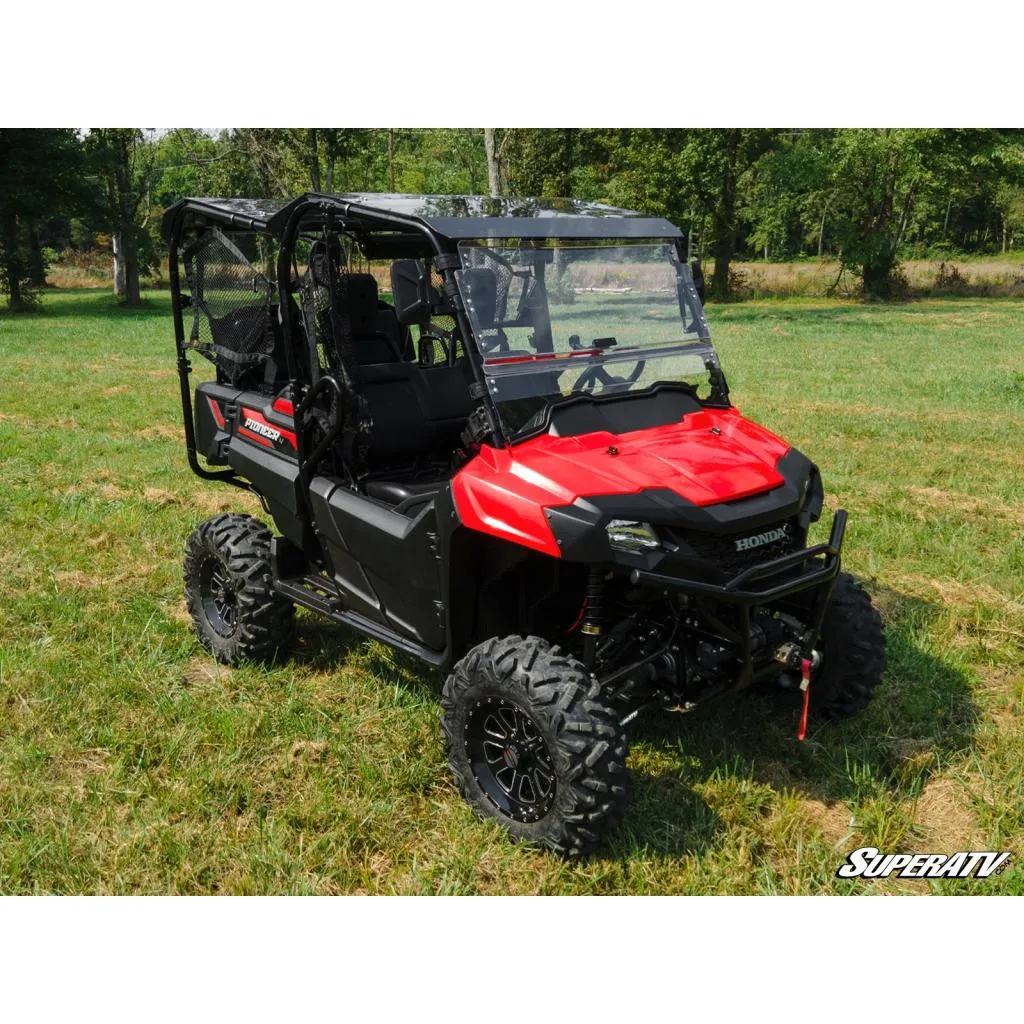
x=256, y=428
x=262, y=428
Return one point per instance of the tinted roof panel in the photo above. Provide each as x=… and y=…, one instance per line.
x=454, y=217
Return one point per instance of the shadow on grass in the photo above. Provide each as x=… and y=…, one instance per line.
x=665, y=816
x=322, y=645
x=92, y=303
x=922, y=714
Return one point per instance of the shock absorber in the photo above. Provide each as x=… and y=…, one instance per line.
x=591, y=628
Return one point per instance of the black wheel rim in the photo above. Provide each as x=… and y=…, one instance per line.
x=219, y=596
x=509, y=759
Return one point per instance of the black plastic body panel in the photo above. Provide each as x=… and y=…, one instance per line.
x=618, y=413
x=276, y=479
x=385, y=563
x=215, y=405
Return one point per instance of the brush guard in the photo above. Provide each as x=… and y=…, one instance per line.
x=821, y=564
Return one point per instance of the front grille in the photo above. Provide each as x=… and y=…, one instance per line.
x=720, y=548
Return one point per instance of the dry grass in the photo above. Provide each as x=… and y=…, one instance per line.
x=990, y=278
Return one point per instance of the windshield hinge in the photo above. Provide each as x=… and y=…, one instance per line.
x=478, y=429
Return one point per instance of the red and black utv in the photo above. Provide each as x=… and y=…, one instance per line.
x=495, y=434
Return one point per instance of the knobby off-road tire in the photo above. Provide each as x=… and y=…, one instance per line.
x=228, y=586
x=533, y=744
x=853, y=652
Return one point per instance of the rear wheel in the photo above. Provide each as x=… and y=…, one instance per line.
x=853, y=652
x=533, y=745
x=229, y=590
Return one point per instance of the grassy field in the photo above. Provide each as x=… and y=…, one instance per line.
x=130, y=762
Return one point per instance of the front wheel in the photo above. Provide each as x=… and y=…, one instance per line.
x=853, y=652
x=533, y=745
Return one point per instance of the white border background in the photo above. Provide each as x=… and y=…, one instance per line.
x=553, y=959
x=419, y=64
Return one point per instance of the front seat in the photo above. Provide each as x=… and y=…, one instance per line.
x=376, y=336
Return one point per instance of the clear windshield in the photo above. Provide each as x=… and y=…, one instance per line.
x=556, y=319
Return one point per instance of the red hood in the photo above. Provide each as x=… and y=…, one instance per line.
x=708, y=457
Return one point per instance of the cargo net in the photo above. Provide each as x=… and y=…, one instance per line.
x=232, y=306
x=325, y=325
x=325, y=313
x=442, y=325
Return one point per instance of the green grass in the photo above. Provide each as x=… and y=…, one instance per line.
x=129, y=762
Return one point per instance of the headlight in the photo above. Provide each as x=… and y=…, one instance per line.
x=624, y=535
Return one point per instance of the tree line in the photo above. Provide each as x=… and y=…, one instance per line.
x=866, y=198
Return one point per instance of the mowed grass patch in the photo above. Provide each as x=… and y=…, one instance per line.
x=130, y=762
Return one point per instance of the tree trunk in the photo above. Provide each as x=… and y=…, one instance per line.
x=391, y=159
x=877, y=278
x=133, y=294
x=724, y=227
x=12, y=263
x=724, y=221
x=36, y=263
x=493, y=164
x=314, y=160
x=119, y=283
x=130, y=263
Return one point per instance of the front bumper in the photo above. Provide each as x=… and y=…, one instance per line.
x=810, y=569
x=819, y=564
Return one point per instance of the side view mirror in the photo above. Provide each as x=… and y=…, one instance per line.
x=410, y=291
x=698, y=278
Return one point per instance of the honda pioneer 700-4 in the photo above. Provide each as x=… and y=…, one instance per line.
x=495, y=434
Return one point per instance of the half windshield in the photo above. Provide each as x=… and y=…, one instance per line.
x=559, y=319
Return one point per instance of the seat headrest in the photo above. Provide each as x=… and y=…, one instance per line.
x=480, y=285
x=361, y=293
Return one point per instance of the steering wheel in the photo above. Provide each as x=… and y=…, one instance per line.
x=597, y=374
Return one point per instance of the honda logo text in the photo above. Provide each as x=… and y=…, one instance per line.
x=746, y=543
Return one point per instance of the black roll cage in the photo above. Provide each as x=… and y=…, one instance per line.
x=783, y=577
x=356, y=215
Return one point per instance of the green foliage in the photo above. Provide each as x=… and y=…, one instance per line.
x=40, y=172
x=868, y=197
x=124, y=163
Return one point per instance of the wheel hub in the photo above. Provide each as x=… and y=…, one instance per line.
x=219, y=596
x=509, y=759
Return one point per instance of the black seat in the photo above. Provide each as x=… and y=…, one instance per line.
x=389, y=327
x=415, y=410
x=375, y=333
